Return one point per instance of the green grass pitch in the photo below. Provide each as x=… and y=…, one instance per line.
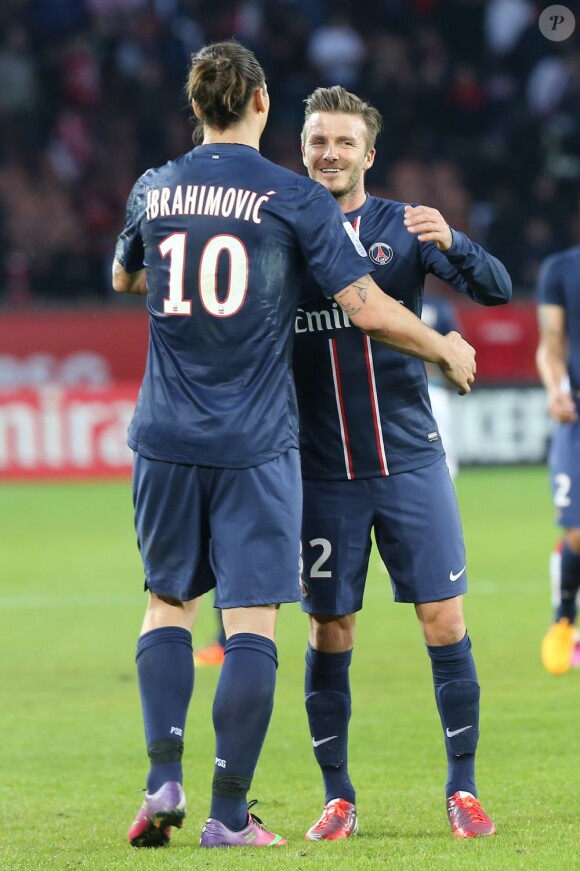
x=72, y=756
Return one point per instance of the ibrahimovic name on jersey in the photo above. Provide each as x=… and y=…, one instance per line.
x=225, y=265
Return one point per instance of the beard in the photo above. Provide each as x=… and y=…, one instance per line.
x=347, y=186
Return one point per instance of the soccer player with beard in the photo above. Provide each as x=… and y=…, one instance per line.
x=218, y=241
x=372, y=459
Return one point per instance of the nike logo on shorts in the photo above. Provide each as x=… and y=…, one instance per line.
x=316, y=743
x=453, y=577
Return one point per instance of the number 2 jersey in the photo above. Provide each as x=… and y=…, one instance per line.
x=225, y=237
x=364, y=408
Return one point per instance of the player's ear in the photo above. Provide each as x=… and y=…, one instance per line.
x=370, y=158
x=261, y=99
x=196, y=110
x=303, y=150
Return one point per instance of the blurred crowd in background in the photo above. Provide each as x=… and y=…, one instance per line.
x=481, y=114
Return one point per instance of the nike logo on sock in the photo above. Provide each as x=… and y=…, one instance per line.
x=453, y=577
x=451, y=734
x=316, y=743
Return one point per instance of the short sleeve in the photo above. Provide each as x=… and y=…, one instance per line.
x=328, y=242
x=129, y=248
x=549, y=290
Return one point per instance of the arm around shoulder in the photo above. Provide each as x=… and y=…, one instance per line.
x=387, y=321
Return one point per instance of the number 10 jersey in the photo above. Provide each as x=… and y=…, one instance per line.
x=225, y=237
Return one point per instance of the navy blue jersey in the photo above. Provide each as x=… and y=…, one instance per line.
x=364, y=408
x=225, y=236
x=559, y=284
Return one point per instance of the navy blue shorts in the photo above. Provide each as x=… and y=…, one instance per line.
x=564, y=463
x=417, y=528
x=237, y=530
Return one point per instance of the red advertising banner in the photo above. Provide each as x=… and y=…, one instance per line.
x=69, y=381
x=55, y=432
x=505, y=339
x=78, y=348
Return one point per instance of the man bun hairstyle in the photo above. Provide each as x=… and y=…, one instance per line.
x=222, y=78
x=337, y=99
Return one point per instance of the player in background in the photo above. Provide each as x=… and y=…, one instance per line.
x=218, y=240
x=439, y=314
x=555, y=572
x=372, y=459
x=558, y=362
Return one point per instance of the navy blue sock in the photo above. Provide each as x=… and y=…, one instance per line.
x=165, y=672
x=241, y=714
x=569, y=584
x=457, y=696
x=328, y=705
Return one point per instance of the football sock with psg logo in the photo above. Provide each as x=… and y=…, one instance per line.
x=328, y=705
x=457, y=696
x=242, y=710
x=165, y=672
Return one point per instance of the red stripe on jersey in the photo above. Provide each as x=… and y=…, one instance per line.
x=340, y=408
x=375, y=406
x=356, y=224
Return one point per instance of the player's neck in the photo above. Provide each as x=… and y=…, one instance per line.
x=352, y=201
x=237, y=134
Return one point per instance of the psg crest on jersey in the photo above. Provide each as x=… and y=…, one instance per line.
x=381, y=253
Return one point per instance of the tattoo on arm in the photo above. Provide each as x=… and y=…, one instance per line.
x=360, y=287
x=349, y=308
